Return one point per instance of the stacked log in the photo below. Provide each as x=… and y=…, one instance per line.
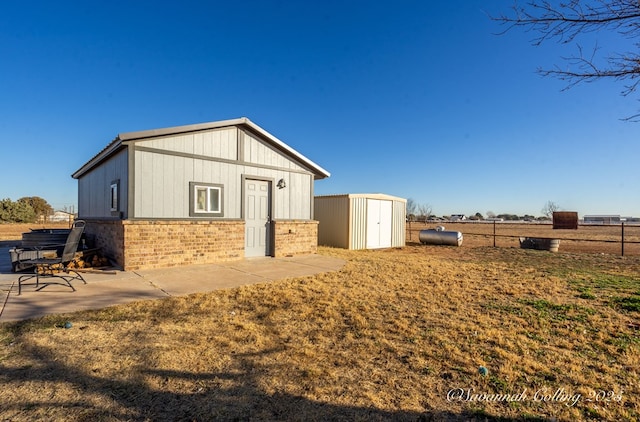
x=88, y=261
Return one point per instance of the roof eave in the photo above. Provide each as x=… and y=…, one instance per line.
x=132, y=136
x=102, y=155
x=318, y=172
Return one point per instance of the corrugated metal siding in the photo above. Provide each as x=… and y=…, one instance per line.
x=333, y=210
x=333, y=216
x=358, y=223
x=398, y=234
x=94, y=188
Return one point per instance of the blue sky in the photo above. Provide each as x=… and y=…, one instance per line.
x=410, y=98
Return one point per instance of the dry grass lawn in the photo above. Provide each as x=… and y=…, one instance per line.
x=13, y=231
x=397, y=334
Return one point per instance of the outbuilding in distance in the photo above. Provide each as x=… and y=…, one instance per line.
x=361, y=221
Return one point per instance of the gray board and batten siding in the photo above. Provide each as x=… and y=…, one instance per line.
x=152, y=171
x=361, y=221
x=93, y=188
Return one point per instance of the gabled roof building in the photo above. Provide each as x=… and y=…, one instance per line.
x=200, y=193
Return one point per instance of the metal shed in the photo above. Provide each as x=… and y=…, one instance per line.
x=361, y=221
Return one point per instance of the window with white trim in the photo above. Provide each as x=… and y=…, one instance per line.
x=114, y=198
x=206, y=200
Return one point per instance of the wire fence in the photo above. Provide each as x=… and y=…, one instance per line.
x=621, y=239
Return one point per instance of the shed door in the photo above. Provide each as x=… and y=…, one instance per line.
x=379, y=223
x=257, y=215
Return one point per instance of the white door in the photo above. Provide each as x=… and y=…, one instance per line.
x=257, y=215
x=379, y=223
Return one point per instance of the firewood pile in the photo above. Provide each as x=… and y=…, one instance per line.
x=89, y=261
x=85, y=260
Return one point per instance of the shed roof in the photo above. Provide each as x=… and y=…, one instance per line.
x=364, y=195
x=118, y=143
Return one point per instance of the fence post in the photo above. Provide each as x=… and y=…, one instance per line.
x=494, y=233
x=622, y=239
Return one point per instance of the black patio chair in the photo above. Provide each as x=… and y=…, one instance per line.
x=57, y=267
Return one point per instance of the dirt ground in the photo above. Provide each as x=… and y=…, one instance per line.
x=586, y=239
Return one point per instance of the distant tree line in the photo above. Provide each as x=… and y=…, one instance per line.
x=24, y=210
x=418, y=212
x=423, y=212
x=513, y=217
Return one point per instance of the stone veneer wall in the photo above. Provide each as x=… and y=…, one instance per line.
x=143, y=244
x=295, y=237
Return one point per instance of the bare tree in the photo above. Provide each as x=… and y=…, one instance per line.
x=565, y=21
x=549, y=208
x=412, y=207
x=425, y=211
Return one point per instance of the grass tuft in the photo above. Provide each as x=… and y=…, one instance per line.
x=629, y=303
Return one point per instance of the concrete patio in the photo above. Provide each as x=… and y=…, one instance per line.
x=103, y=290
